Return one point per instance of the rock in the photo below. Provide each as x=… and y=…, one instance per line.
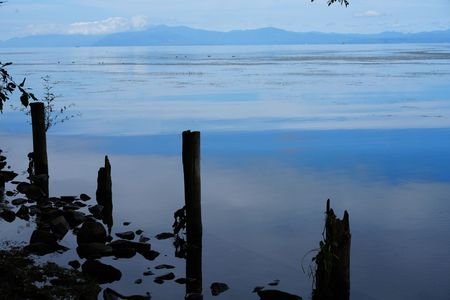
x=181, y=280
x=150, y=254
x=127, y=235
x=148, y=273
x=68, y=198
x=42, y=236
x=30, y=190
x=162, y=278
x=19, y=201
x=94, y=250
x=74, y=218
x=96, y=211
x=164, y=235
x=79, y=204
x=274, y=283
x=8, y=215
x=60, y=226
x=164, y=266
x=8, y=175
x=138, y=281
x=257, y=289
x=84, y=197
x=276, y=295
x=10, y=193
x=139, y=231
x=143, y=239
x=74, y=264
x=139, y=247
x=23, y=213
x=126, y=223
x=218, y=288
x=102, y=273
x=91, y=232
x=70, y=207
x=49, y=213
x=124, y=252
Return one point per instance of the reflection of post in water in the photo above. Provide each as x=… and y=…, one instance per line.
x=332, y=278
x=104, y=193
x=2, y=189
x=40, y=160
x=192, y=193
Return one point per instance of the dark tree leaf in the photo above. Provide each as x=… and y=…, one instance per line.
x=24, y=99
x=33, y=96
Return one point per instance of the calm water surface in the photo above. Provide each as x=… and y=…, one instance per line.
x=266, y=174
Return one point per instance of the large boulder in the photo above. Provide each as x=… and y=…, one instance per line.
x=59, y=226
x=42, y=236
x=74, y=218
x=91, y=232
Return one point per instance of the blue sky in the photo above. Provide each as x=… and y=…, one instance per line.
x=27, y=17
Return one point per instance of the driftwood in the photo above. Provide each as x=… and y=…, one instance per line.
x=332, y=278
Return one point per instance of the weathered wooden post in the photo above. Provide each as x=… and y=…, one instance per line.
x=39, y=145
x=192, y=194
x=332, y=278
x=104, y=193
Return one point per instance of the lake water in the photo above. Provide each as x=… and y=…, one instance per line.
x=283, y=129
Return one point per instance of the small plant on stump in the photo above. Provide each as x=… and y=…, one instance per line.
x=53, y=114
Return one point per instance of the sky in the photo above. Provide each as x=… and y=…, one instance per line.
x=31, y=17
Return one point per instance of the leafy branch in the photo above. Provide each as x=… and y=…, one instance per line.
x=53, y=114
x=8, y=86
x=342, y=2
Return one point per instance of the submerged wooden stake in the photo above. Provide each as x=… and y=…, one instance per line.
x=332, y=276
x=39, y=145
x=192, y=193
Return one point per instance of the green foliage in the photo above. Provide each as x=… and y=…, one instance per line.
x=53, y=114
x=342, y=2
x=8, y=86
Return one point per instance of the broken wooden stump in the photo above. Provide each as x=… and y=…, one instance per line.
x=104, y=193
x=192, y=193
x=332, y=278
x=40, y=160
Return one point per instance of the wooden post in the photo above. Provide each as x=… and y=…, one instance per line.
x=332, y=276
x=104, y=193
x=192, y=193
x=39, y=145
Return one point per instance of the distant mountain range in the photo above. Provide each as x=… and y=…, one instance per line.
x=179, y=36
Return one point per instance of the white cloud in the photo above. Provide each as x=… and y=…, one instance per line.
x=368, y=13
x=110, y=25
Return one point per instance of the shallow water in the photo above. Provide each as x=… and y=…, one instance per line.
x=265, y=174
x=152, y=90
x=263, y=207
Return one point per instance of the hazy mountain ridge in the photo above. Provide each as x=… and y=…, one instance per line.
x=178, y=36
